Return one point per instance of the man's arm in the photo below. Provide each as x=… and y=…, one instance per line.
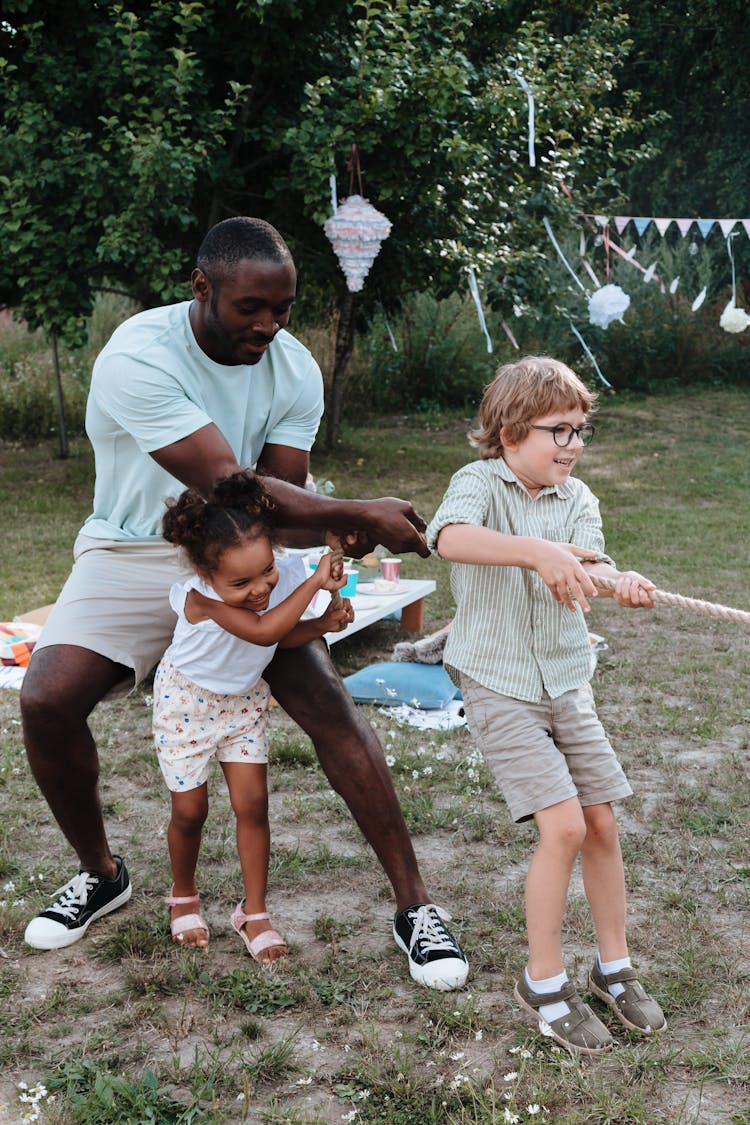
x=199, y=459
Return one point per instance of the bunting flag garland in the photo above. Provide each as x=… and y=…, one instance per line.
x=662, y=224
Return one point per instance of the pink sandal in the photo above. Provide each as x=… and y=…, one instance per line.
x=267, y=939
x=179, y=926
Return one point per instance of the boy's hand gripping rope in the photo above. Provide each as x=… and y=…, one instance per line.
x=695, y=605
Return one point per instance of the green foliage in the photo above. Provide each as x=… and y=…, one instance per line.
x=662, y=344
x=261, y=993
x=28, y=406
x=99, y=1097
x=441, y=361
x=125, y=131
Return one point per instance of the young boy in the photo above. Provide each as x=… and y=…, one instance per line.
x=524, y=536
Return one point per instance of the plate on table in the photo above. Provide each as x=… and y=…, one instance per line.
x=369, y=589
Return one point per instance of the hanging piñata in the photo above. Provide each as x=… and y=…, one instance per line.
x=356, y=231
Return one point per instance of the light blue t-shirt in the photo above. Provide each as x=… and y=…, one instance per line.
x=153, y=385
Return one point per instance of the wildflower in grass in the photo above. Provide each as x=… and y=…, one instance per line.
x=350, y=1115
x=427, y=771
x=545, y=1028
x=511, y=1118
x=532, y=1110
x=304, y=1081
x=458, y=1055
x=390, y=760
x=478, y=1035
x=511, y=1076
x=10, y=886
x=458, y=1081
x=415, y=775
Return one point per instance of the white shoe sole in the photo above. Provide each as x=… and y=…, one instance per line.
x=62, y=936
x=444, y=980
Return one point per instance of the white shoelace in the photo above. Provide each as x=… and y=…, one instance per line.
x=75, y=894
x=428, y=934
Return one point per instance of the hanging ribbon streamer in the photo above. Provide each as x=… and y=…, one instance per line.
x=530, y=98
x=563, y=259
x=334, y=193
x=590, y=354
x=607, y=241
x=474, y=290
x=731, y=259
x=391, y=337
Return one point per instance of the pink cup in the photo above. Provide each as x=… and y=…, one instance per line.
x=390, y=569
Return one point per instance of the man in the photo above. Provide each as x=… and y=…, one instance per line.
x=180, y=396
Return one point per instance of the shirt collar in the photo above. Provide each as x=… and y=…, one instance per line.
x=503, y=470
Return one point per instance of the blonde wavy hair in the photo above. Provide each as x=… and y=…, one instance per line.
x=534, y=387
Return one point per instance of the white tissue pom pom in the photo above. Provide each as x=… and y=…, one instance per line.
x=734, y=319
x=608, y=304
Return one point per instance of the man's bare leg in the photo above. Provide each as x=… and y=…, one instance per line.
x=61, y=687
x=310, y=690
x=305, y=683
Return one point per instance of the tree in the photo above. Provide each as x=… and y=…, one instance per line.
x=174, y=114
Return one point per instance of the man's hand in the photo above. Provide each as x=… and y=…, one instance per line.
x=389, y=521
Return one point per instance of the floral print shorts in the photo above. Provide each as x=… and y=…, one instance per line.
x=193, y=725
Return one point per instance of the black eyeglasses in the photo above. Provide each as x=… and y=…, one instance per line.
x=563, y=433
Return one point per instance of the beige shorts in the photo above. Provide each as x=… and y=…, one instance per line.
x=116, y=602
x=193, y=725
x=543, y=753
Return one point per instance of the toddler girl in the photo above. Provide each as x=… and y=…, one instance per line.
x=209, y=698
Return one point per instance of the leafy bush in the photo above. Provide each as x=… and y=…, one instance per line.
x=663, y=344
x=442, y=358
x=28, y=395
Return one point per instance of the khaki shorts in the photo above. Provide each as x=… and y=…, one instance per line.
x=193, y=725
x=543, y=753
x=116, y=602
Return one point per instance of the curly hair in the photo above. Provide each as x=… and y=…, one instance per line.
x=238, y=510
x=533, y=387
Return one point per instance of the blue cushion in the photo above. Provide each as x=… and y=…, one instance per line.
x=427, y=686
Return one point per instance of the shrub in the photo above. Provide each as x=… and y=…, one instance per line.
x=442, y=358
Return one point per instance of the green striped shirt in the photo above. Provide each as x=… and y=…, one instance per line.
x=509, y=633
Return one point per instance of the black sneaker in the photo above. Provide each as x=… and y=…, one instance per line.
x=79, y=903
x=435, y=957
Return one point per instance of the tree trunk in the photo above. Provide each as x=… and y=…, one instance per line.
x=344, y=349
x=60, y=400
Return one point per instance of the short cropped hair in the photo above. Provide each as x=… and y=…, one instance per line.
x=532, y=388
x=235, y=240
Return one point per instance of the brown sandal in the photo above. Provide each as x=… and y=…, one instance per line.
x=634, y=1008
x=579, y=1030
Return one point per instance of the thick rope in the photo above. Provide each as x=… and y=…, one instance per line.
x=695, y=605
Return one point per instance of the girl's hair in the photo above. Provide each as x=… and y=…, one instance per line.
x=532, y=388
x=239, y=509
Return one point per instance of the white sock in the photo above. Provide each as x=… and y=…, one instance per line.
x=549, y=1012
x=608, y=967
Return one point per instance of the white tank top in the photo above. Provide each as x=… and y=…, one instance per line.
x=214, y=659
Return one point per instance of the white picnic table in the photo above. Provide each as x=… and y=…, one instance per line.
x=369, y=608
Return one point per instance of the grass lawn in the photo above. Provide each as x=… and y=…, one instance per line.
x=125, y=1028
